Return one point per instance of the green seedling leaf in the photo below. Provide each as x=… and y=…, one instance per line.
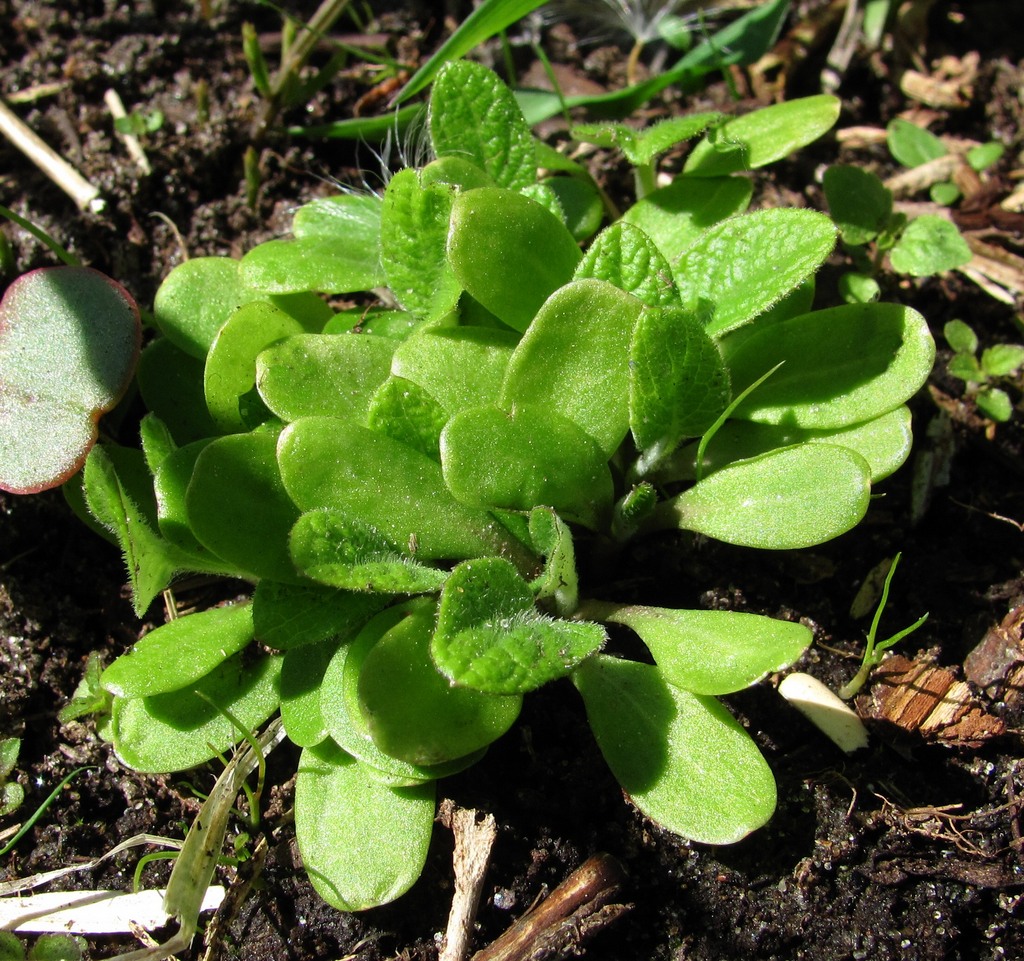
x=529, y=457
x=287, y=616
x=414, y=235
x=459, y=366
x=960, y=337
x=151, y=561
x=157, y=442
x=1002, y=360
x=335, y=549
x=198, y=296
x=11, y=948
x=229, y=377
x=995, y=403
x=363, y=843
x=748, y=263
x=678, y=382
x=625, y=256
x=491, y=638
x=330, y=463
x=414, y=713
x=509, y=252
x=794, y=497
x=474, y=116
x=302, y=672
x=69, y=342
x=944, y=194
x=574, y=360
x=407, y=413
x=171, y=384
x=10, y=747
x=875, y=357
x=929, y=245
x=967, y=368
x=857, y=288
x=455, y=172
x=763, y=136
x=238, y=507
x=681, y=757
x=676, y=215
x=552, y=538
x=710, y=652
x=884, y=442
x=331, y=374
x=180, y=729
x=155, y=665
x=912, y=145
x=57, y=947
x=641, y=147
x=335, y=250
x=985, y=155
x=580, y=203
x=860, y=203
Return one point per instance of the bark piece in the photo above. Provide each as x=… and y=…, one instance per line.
x=996, y=665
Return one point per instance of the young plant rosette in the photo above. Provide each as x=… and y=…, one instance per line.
x=406, y=485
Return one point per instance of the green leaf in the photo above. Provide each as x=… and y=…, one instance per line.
x=238, y=507
x=330, y=463
x=678, y=383
x=302, y=672
x=12, y=796
x=859, y=202
x=985, y=155
x=509, y=252
x=180, y=729
x=912, y=145
x=414, y=234
x=335, y=250
x=329, y=374
x=287, y=616
x=794, y=497
x=643, y=146
x=580, y=203
x=198, y=296
x=961, y=337
x=341, y=551
x=711, y=652
x=473, y=115
x=1002, y=360
x=929, y=245
x=407, y=413
x=363, y=844
x=967, y=367
x=558, y=582
x=57, y=947
x=229, y=377
x=840, y=366
x=763, y=136
x=944, y=194
x=491, y=638
x=11, y=948
x=857, y=288
x=459, y=366
x=744, y=265
x=995, y=403
x=455, y=172
x=574, y=360
x=157, y=442
x=625, y=256
x=69, y=341
x=10, y=747
x=530, y=457
x=676, y=215
x=171, y=384
x=414, y=713
x=682, y=758
x=155, y=665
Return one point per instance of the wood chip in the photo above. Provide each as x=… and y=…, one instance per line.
x=996, y=665
x=927, y=700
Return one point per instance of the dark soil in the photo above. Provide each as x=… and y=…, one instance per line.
x=910, y=849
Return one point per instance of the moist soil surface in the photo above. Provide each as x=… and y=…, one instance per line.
x=908, y=849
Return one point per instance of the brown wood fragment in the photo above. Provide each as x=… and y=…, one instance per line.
x=583, y=904
x=980, y=875
x=996, y=665
x=474, y=840
x=927, y=700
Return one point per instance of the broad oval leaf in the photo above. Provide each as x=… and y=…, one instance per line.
x=363, y=844
x=405, y=412
x=528, y=458
x=171, y=384
x=711, y=652
x=681, y=757
x=625, y=256
x=859, y=202
x=839, y=367
x=155, y=664
x=574, y=360
x=302, y=673
x=743, y=266
x=794, y=497
x=763, y=136
x=509, y=252
x=69, y=341
x=474, y=116
x=490, y=637
x=929, y=245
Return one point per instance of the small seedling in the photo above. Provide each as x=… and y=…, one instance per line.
x=874, y=649
x=407, y=485
x=12, y=794
x=48, y=947
x=999, y=363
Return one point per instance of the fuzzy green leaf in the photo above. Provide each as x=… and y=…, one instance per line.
x=681, y=757
x=286, y=616
x=929, y=245
x=363, y=843
x=473, y=115
x=643, y=146
x=552, y=538
x=407, y=413
x=490, y=637
x=625, y=256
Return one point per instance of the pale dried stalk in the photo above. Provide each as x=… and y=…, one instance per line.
x=473, y=842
